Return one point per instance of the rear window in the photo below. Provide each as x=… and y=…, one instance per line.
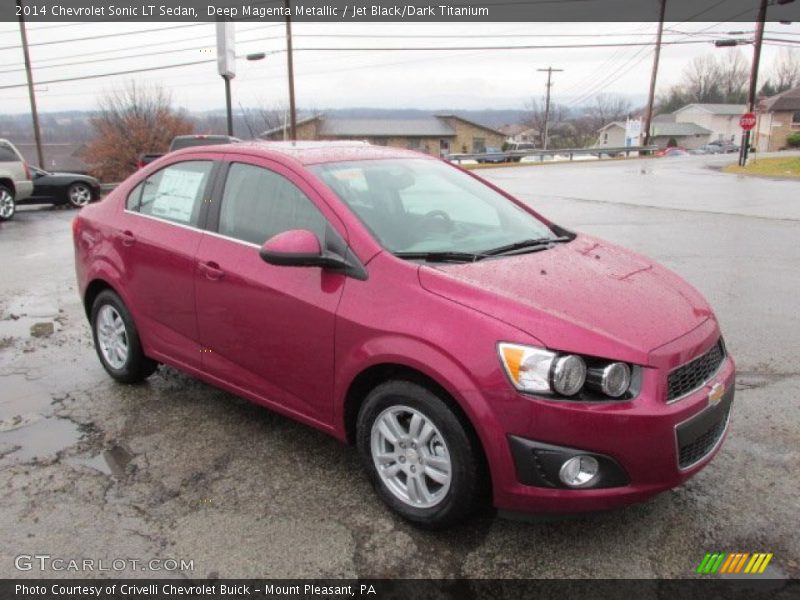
x=7, y=154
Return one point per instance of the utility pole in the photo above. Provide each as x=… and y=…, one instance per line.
x=751, y=96
x=292, y=112
x=34, y=113
x=549, y=71
x=651, y=96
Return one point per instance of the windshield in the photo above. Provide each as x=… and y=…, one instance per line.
x=419, y=205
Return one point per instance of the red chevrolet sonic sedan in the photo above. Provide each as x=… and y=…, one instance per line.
x=468, y=346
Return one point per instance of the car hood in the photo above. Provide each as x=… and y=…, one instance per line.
x=585, y=296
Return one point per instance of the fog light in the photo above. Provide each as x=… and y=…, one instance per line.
x=579, y=471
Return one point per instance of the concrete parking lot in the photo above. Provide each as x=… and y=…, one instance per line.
x=177, y=469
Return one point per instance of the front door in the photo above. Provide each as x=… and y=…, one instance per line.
x=266, y=329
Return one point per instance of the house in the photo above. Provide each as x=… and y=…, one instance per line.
x=438, y=135
x=520, y=134
x=721, y=120
x=687, y=135
x=611, y=135
x=778, y=116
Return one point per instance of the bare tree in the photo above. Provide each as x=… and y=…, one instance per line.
x=734, y=75
x=702, y=80
x=608, y=108
x=786, y=70
x=130, y=121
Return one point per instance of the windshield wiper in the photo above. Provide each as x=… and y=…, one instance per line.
x=531, y=244
x=441, y=256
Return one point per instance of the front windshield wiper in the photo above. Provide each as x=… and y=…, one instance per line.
x=531, y=244
x=441, y=256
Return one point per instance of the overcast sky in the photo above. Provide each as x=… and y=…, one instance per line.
x=335, y=79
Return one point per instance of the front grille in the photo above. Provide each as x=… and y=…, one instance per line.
x=692, y=375
x=697, y=449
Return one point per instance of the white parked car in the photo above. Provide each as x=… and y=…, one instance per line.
x=15, y=179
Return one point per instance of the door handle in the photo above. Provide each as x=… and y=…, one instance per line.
x=127, y=237
x=211, y=270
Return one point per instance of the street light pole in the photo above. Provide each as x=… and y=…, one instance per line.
x=37, y=134
x=290, y=65
x=751, y=96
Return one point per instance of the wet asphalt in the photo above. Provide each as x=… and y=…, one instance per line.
x=177, y=469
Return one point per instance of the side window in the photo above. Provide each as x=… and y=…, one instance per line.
x=7, y=154
x=258, y=204
x=132, y=202
x=176, y=192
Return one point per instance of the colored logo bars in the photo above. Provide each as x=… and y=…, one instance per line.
x=736, y=562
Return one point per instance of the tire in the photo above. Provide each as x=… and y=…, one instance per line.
x=117, y=341
x=7, y=205
x=429, y=440
x=79, y=195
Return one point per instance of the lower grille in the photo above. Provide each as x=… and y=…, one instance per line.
x=692, y=375
x=694, y=451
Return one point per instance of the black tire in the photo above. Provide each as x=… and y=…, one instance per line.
x=8, y=207
x=136, y=367
x=80, y=194
x=467, y=480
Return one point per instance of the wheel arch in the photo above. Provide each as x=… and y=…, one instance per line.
x=9, y=183
x=370, y=377
x=95, y=287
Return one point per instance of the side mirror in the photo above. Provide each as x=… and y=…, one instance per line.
x=299, y=248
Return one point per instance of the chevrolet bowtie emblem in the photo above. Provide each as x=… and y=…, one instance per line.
x=716, y=394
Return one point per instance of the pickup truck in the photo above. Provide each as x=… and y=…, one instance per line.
x=185, y=141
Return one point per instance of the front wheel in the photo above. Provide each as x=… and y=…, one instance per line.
x=7, y=205
x=117, y=341
x=418, y=455
x=79, y=195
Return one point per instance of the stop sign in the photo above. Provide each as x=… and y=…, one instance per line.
x=747, y=121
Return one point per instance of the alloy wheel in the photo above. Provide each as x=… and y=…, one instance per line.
x=411, y=456
x=6, y=204
x=80, y=195
x=112, y=336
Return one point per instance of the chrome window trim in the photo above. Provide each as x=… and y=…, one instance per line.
x=707, y=454
x=191, y=228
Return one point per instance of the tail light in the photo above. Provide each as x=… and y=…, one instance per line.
x=27, y=171
x=76, y=227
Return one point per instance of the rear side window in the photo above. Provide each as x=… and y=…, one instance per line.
x=258, y=204
x=7, y=154
x=174, y=193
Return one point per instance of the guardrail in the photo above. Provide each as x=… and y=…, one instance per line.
x=516, y=155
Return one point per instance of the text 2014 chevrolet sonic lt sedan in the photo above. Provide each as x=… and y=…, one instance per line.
x=468, y=346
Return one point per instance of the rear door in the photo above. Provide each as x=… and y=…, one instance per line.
x=158, y=234
x=268, y=330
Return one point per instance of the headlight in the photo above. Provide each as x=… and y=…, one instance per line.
x=569, y=374
x=539, y=370
x=613, y=379
x=536, y=370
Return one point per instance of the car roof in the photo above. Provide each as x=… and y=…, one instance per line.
x=313, y=152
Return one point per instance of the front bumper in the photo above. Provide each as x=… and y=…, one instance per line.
x=656, y=445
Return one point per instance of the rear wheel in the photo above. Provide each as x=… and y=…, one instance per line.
x=79, y=194
x=7, y=205
x=418, y=455
x=117, y=341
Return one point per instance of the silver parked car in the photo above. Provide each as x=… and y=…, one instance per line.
x=15, y=179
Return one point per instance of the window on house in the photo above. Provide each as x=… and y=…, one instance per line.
x=414, y=143
x=605, y=137
x=796, y=118
x=478, y=145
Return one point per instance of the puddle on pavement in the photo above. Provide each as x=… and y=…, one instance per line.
x=30, y=317
x=27, y=424
x=109, y=462
x=43, y=439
